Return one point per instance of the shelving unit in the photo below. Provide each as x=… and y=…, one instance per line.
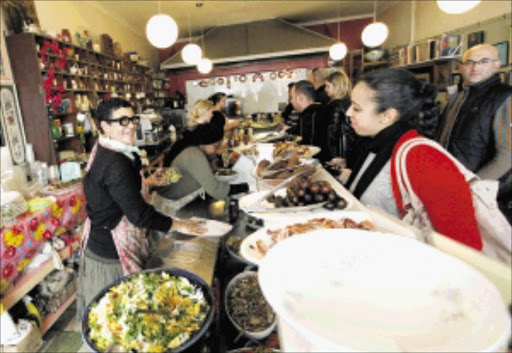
x=159, y=90
x=50, y=319
x=86, y=74
x=30, y=279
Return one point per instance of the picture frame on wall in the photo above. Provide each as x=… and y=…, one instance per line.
x=5, y=67
x=502, y=52
x=475, y=38
x=11, y=121
x=423, y=77
x=451, y=45
x=456, y=79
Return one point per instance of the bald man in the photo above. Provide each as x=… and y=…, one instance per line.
x=476, y=126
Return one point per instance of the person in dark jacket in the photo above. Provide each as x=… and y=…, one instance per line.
x=114, y=241
x=313, y=118
x=317, y=78
x=289, y=108
x=339, y=133
x=476, y=127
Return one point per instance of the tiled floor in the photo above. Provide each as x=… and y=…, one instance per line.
x=64, y=335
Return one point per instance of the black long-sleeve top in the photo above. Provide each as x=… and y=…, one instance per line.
x=112, y=189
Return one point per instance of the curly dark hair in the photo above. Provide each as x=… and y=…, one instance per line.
x=414, y=100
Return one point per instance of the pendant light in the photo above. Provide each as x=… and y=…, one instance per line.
x=204, y=66
x=456, y=7
x=191, y=53
x=339, y=50
x=161, y=30
x=375, y=33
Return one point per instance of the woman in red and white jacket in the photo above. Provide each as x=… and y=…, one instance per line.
x=385, y=113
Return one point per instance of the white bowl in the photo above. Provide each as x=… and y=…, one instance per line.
x=227, y=178
x=374, y=55
x=254, y=335
x=370, y=292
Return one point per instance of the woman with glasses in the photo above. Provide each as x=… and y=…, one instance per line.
x=114, y=242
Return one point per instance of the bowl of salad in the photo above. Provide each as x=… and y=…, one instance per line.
x=159, y=310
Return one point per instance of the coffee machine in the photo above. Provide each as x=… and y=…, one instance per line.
x=152, y=129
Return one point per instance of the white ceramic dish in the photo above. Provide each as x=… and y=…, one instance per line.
x=254, y=335
x=246, y=204
x=248, y=248
x=373, y=292
x=227, y=178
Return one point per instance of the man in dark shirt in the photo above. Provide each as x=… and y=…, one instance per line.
x=313, y=118
x=476, y=126
x=289, y=108
x=317, y=78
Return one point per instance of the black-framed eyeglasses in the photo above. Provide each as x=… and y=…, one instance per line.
x=125, y=120
x=483, y=61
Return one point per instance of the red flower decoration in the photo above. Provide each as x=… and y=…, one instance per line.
x=30, y=253
x=8, y=270
x=55, y=221
x=47, y=235
x=33, y=224
x=10, y=252
x=16, y=229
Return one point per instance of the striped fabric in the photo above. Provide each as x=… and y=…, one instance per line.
x=502, y=131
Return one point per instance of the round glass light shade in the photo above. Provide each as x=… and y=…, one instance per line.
x=338, y=51
x=374, y=34
x=161, y=31
x=191, y=54
x=205, y=66
x=456, y=7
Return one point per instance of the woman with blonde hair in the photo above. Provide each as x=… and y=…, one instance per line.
x=339, y=133
x=201, y=113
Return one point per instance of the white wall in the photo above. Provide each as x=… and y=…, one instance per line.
x=78, y=16
x=256, y=96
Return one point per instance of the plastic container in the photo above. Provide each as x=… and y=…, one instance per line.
x=368, y=291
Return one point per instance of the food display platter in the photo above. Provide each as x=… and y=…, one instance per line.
x=249, y=249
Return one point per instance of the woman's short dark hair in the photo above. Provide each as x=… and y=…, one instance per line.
x=413, y=99
x=108, y=106
x=216, y=97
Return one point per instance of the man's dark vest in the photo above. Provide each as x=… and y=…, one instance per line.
x=471, y=140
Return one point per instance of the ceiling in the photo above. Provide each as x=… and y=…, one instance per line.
x=205, y=15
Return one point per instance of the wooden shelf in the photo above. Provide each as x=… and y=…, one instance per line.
x=375, y=63
x=50, y=319
x=429, y=62
x=29, y=280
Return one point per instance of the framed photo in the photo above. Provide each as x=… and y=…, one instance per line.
x=424, y=77
x=5, y=67
x=451, y=45
x=502, y=52
x=475, y=38
x=11, y=122
x=456, y=79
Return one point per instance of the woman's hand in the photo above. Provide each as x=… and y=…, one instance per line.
x=188, y=227
x=162, y=177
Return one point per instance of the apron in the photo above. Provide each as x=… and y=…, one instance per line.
x=130, y=241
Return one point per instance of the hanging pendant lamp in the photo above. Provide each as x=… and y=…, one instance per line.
x=339, y=50
x=375, y=33
x=161, y=30
x=191, y=53
x=205, y=65
x=457, y=7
